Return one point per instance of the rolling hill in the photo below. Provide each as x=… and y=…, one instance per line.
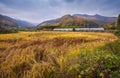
x=99, y=19
x=6, y=21
x=11, y=22
x=79, y=20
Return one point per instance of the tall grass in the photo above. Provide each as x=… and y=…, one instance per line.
x=59, y=55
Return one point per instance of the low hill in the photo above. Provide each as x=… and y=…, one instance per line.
x=8, y=21
x=80, y=20
x=99, y=19
x=68, y=20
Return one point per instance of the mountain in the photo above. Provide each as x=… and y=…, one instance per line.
x=11, y=22
x=99, y=19
x=23, y=24
x=6, y=21
x=48, y=22
x=80, y=20
x=68, y=20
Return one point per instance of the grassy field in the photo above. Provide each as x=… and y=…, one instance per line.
x=49, y=54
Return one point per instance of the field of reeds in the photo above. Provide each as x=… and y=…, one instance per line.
x=53, y=54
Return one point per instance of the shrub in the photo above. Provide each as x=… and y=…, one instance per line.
x=5, y=30
x=46, y=27
x=117, y=32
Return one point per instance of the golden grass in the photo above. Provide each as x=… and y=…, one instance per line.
x=49, y=54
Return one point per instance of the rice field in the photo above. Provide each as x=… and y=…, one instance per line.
x=54, y=54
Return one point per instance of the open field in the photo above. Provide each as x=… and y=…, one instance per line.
x=50, y=54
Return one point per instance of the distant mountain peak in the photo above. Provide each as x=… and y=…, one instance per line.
x=66, y=16
x=87, y=15
x=99, y=16
x=96, y=15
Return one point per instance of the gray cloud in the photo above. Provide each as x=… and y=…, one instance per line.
x=40, y=10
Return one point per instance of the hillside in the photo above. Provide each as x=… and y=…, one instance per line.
x=99, y=19
x=5, y=21
x=80, y=20
x=8, y=21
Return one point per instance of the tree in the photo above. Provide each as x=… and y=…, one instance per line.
x=118, y=22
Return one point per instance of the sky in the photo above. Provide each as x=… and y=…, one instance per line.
x=36, y=11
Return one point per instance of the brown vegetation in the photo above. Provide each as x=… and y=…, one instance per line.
x=57, y=55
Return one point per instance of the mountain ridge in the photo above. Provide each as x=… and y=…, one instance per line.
x=17, y=22
x=96, y=19
x=99, y=19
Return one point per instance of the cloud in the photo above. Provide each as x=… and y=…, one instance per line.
x=40, y=10
x=69, y=1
